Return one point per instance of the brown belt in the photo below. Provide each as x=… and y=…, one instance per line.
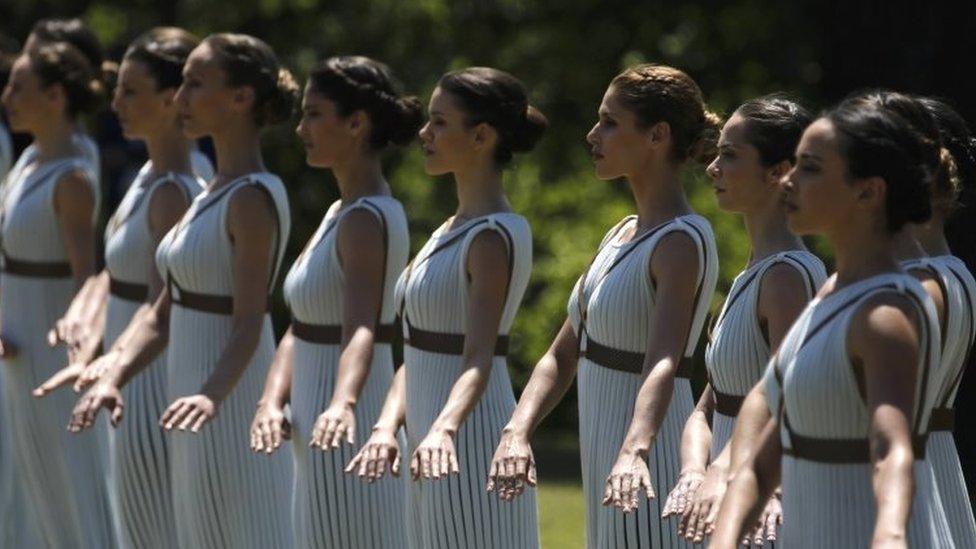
x=626, y=361
x=36, y=269
x=331, y=334
x=448, y=344
x=128, y=290
x=846, y=450
x=942, y=419
x=726, y=404
x=208, y=303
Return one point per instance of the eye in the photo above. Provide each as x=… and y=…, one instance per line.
x=727, y=154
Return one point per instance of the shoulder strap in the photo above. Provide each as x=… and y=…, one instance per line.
x=957, y=379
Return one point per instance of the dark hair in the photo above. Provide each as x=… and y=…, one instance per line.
x=9, y=49
x=878, y=140
x=163, y=51
x=359, y=83
x=498, y=99
x=659, y=93
x=74, y=32
x=63, y=64
x=249, y=61
x=960, y=144
x=773, y=125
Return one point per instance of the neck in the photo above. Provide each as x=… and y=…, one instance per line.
x=769, y=233
x=361, y=176
x=931, y=236
x=169, y=151
x=238, y=154
x=658, y=196
x=54, y=140
x=905, y=246
x=480, y=192
x=863, y=255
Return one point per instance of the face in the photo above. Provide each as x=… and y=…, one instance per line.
x=205, y=103
x=328, y=137
x=27, y=103
x=742, y=184
x=618, y=145
x=448, y=142
x=142, y=109
x=817, y=193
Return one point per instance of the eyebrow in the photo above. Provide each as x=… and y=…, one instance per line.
x=436, y=113
x=810, y=156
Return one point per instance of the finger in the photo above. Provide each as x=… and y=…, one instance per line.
x=453, y=462
x=174, y=414
x=700, y=523
x=395, y=469
x=353, y=463
x=189, y=418
x=521, y=467
x=116, y=417
x=608, y=492
x=200, y=422
x=530, y=477
x=328, y=436
x=435, y=463
x=275, y=429
x=615, y=483
x=52, y=337
x=317, y=432
x=62, y=377
x=91, y=412
x=415, y=465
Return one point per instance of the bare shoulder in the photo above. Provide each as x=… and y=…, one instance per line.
x=885, y=323
x=488, y=253
x=360, y=226
x=782, y=282
x=250, y=203
x=168, y=195
x=75, y=185
x=676, y=254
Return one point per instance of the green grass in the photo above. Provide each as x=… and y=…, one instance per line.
x=561, y=515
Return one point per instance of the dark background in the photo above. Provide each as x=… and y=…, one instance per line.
x=566, y=52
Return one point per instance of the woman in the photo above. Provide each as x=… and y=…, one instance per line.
x=335, y=364
x=756, y=149
x=458, y=298
x=847, y=388
x=958, y=324
x=219, y=263
x=149, y=75
x=634, y=317
x=49, y=208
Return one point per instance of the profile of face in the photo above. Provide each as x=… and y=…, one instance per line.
x=327, y=136
x=141, y=107
x=449, y=143
x=205, y=102
x=619, y=145
x=28, y=104
x=741, y=182
x=818, y=193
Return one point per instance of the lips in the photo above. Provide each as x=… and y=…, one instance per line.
x=596, y=156
x=789, y=206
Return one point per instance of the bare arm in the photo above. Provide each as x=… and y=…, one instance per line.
x=487, y=267
x=675, y=257
x=360, y=243
x=74, y=205
x=269, y=427
x=884, y=342
x=251, y=222
x=696, y=441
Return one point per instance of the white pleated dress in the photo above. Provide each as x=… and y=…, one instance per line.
x=6, y=152
x=225, y=496
x=139, y=457
x=959, y=329
x=331, y=508
x=619, y=299
x=811, y=387
x=738, y=352
x=62, y=475
x=457, y=511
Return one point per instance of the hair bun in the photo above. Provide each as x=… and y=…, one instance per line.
x=704, y=149
x=281, y=102
x=527, y=134
x=407, y=121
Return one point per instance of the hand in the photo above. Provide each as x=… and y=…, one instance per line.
x=512, y=467
x=627, y=479
x=338, y=422
x=435, y=458
x=189, y=412
x=765, y=530
x=381, y=451
x=699, y=520
x=101, y=395
x=8, y=349
x=682, y=496
x=269, y=428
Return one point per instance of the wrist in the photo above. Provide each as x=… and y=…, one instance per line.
x=215, y=394
x=692, y=469
x=636, y=448
x=515, y=431
x=348, y=404
x=440, y=429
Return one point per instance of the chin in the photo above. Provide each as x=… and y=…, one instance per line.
x=431, y=168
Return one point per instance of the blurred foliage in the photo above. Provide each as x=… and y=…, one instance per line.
x=566, y=52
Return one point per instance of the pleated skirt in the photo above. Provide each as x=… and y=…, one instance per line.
x=332, y=508
x=225, y=496
x=951, y=486
x=62, y=475
x=139, y=456
x=457, y=511
x=606, y=407
x=833, y=505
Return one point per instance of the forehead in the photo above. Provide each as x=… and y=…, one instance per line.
x=202, y=59
x=734, y=132
x=132, y=69
x=611, y=103
x=819, y=137
x=21, y=67
x=442, y=102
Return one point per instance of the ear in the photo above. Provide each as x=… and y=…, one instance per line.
x=775, y=173
x=484, y=136
x=358, y=123
x=871, y=192
x=54, y=93
x=659, y=135
x=242, y=99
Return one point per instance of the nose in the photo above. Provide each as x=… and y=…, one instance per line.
x=712, y=170
x=786, y=182
x=300, y=128
x=591, y=138
x=180, y=96
x=424, y=133
x=116, y=99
